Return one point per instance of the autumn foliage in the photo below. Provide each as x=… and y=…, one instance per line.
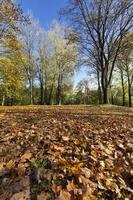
x=66, y=152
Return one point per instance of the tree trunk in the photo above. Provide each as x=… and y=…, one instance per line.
x=99, y=89
x=129, y=95
x=105, y=86
x=31, y=92
x=45, y=95
x=123, y=89
x=59, y=90
x=46, y=88
x=50, y=94
x=105, y=95
x=3, y=100
x=129, y=89
x=111, y=94
x=99, y=95
x=41, y=94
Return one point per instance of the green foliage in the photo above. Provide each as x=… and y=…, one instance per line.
x=44, y=185
x=42, y=164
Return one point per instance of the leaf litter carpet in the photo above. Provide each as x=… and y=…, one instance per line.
x=66, y=153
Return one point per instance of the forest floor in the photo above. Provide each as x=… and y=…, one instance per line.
x=66, y=153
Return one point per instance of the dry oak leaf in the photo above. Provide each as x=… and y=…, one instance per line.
x=21, y=169
x=86, y=172
x=65, y=138
x=70, y=186
x=62, y=161
x=58, y=148
x=3, y=171
x=25, y=181
x=102, y=164
x=10, y=164
x=88, y=194
x=43, y=196
x=110, y=184
x=77, y=142
x=26, y=156
x=25, y=195
x=94, y=153
x=108, y=151
x=56, y=188
x=64, y=195
x=75, y=168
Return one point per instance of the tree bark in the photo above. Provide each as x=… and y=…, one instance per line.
x=105, y=95
x=59, y=90
x=3, y=100
x=129, y=95
x=111, y=96
x=105, y=87
x=99, y=89
x=41, y=94
x=129, y=89
x=123, y=89
x=50, y=94
x=45, y=95
x=31, y=92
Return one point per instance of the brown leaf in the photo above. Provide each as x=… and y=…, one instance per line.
x=26, y=156
x=64, y=195
x=65, y=138
x=86, y=172
x=10, y=164
x=70, y=186
x=25, y=195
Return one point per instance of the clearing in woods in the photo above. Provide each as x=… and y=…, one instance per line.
x=66, y=152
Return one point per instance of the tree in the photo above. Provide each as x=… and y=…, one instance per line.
x=10, y=54
x=65, y=57
x=46, y=68
x=121, y=70
x=125, y=65
x=29, y=36
x=56, y=63
x=101, y=26
x=11, y=76
x=10, y=15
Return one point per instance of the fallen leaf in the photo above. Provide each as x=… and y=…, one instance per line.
x=65, y=138
x=86, y=172
x=64, y=195
x=70, y=186
x=10, y=164
x=25, y=195
x=26, y=156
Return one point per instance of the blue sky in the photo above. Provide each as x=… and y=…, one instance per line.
x=46, y=11
x=43, y=10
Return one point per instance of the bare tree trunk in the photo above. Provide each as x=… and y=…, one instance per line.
x=99, y=89
x=111, y=96
x=50, y=94
x=105, y=95
x=123, y=88
x=46, y=95
x=3, y=100
x=105, y=87
x=59, y=90
x=41, y=94
x=129, y=89
x=46, y=88
x=31, y=92
x=129, y=95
